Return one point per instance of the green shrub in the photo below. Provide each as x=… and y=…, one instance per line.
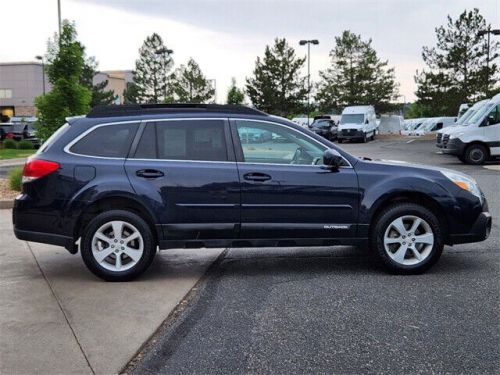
x=15, y=178
x=25, y=145
x=10, y=143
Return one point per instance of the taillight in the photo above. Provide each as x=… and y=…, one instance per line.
x=35, y=168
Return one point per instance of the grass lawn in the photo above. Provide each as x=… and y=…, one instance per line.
x=11, y=154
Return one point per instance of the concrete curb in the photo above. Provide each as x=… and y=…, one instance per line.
x=6, y=204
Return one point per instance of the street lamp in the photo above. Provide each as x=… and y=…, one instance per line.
x=38, y=57
x=163, y=51
x=302, y=43
x=488, y=31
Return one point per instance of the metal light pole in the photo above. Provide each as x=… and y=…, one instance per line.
x=488, y=31
x=59, y=16
x=163, y=51
x=302, y=43
x=38, y=57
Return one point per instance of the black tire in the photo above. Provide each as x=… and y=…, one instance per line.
x=476, y=154
x=340, y=140
x=149, y=245
x=384, y=220
x=364, y=139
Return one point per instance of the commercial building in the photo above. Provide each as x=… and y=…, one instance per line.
x=22, y=82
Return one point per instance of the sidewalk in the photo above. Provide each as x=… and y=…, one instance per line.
x=56, y=317
x=12, y=162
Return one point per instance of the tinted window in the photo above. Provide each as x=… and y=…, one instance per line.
x=269, y=143
x=202, y=140
x=107, y=141
x=146, y=149
x=352, y=119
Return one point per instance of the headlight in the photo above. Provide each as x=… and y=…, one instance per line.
x=464, y=182
x=456, y=135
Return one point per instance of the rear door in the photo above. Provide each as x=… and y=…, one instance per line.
x=186, y=171
x=285, y=192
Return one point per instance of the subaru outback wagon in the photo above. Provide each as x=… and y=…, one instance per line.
x=124, y=181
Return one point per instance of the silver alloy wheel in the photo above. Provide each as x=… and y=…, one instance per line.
x=117, y=246
x=408, y=240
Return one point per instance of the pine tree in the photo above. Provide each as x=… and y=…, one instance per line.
x=189, y=85
x=456, y=67
x=235, y=95
x=152, y=70
x=68, y=96
x=356, y=76
x=277, y=86
x=100, y=96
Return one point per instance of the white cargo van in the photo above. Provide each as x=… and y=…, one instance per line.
x=357, y=122
x=434, y=125
x=478, y=139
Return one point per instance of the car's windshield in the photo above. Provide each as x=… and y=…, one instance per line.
x=352, y=119
x=466, y=116
x=321, y=124
x=479, y=115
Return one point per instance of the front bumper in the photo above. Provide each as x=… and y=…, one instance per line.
x=480, y=231
x=350, y=134
x=453, y=147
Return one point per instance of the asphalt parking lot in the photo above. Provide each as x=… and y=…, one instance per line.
x=334, y=310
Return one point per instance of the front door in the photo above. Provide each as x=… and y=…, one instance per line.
x=285, y=192
x=185, y=169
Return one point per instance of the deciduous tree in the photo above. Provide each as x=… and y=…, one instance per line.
x=68, y=96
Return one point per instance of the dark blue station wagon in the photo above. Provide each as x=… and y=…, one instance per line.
x=125, y=180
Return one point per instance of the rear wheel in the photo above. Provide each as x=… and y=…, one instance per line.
x=476, y=154
x=407, y=238
x=118, y=245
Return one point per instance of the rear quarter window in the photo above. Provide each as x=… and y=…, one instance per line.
x=112, y=141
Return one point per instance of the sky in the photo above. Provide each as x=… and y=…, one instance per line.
x=226, y=36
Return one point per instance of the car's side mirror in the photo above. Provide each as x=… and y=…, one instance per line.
x=366, y=121
x=332, y=159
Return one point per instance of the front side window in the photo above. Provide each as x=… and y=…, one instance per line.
x=201, y=140
x=264, y=142
x=112, y=141
x=494, y=116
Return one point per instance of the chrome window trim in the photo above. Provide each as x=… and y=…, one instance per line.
x=66, y=148
x=71, y=143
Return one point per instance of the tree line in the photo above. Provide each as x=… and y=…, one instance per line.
x=456, y=71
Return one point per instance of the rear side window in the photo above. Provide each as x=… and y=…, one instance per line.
x=53, y=138
x=112, y=141
x=201, y=140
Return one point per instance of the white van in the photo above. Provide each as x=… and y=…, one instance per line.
x=434, y=125
x=357, y=122
x=461, y=121
x=478, y=139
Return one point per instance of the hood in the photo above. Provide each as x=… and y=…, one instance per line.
x=350, y=126
x=399, y=163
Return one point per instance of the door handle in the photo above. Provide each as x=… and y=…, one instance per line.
x=149, y=173
x=257, y=176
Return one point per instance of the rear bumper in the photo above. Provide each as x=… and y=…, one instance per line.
x=480, y=231
x=48, y=238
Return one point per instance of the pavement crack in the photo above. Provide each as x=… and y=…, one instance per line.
x=60, y=306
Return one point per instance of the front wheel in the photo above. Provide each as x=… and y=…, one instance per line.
x=407, y=238
x=476, y=154
x=118, y=245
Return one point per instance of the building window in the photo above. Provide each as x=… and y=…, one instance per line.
x=5, y=94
